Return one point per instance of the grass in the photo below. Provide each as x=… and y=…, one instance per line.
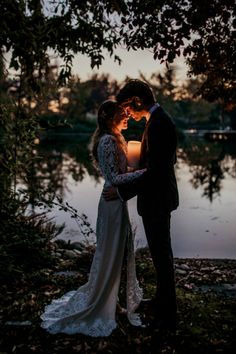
x=206, y=323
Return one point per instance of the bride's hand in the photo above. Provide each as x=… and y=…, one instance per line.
x=110, y=193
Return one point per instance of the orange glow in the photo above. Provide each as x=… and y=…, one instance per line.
x=134, y=148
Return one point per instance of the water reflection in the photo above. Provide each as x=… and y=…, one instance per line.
x=58, y=159
x=209, y=164
x=204, y=225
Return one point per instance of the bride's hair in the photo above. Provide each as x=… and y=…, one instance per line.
x=108, y=117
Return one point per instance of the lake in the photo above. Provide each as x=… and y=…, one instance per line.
x=203, y=226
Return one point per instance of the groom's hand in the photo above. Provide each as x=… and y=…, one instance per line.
x=110, y=193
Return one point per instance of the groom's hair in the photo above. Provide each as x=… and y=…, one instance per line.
x=136, y=88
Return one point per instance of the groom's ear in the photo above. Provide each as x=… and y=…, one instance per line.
x=136, y=103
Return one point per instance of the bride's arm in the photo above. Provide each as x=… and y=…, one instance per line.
x=109, y=162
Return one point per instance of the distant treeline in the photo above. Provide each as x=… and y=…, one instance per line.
x=74, y=106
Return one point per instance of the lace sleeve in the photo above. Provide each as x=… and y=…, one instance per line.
x=108, y=157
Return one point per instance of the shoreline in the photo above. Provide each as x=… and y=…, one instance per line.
x=206, y=298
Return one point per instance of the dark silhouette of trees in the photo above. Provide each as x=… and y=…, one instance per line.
x=86, y=96
x=203, y=32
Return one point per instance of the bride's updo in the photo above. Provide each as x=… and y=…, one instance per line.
x=108, y=117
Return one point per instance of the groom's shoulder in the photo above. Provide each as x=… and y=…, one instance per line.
x=161, y=121
x=164, y=116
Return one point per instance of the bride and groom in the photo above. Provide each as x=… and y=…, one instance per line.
x=92, y=308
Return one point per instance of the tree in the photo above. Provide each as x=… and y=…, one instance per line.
x=202, y=31
x=86, y=96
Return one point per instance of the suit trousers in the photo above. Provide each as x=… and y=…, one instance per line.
x=157, y=229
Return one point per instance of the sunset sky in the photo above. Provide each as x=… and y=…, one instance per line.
x=133, y=63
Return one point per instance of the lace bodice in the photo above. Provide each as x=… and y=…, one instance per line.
x=113, y=162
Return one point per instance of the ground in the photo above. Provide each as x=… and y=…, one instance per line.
x=206, y=296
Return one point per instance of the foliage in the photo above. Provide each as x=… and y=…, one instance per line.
x=18, y=132
x=195, y=29
x=29, y=29
x=19, y=124
x=86, y=96
x=26, y=235
x=180, y=100
x=24, y=239
x=81, y=220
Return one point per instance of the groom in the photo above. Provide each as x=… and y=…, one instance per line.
x=157, y=192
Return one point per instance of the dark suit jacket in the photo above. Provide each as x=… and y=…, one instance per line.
x=157, y=188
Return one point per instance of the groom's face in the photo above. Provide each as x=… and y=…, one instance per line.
x=136, y=115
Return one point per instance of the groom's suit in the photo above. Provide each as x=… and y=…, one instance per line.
x=157, y=196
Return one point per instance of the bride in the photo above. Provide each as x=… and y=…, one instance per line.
x=91, y=309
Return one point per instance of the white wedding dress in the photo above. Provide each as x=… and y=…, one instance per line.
x=91, y=309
